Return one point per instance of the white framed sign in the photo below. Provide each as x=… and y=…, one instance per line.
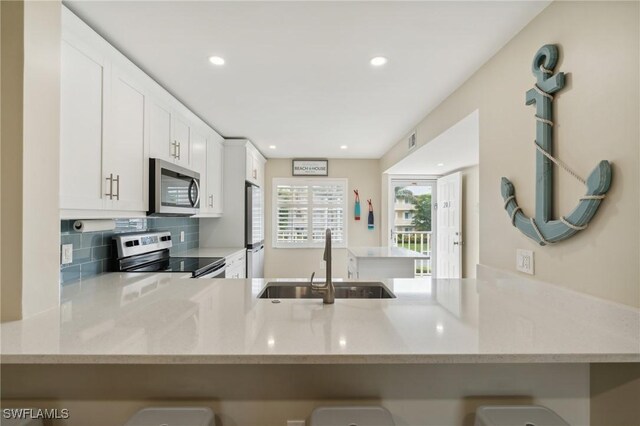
x=310, y=168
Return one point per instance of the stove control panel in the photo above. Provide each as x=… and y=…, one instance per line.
x=141, y=243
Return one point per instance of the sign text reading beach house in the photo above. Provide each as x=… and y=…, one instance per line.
x=310, y=167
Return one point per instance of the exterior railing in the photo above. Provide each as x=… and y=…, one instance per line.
x=419, y=241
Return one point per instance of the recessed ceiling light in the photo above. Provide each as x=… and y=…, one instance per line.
x=440, y=164
x=272, y=147
x=378, y=61
x=216, y=60
x=343, y=147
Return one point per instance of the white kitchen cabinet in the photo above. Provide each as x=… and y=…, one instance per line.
x=254, y=166
x=160, y=141
x=236, y=265
x=114, y=117
x=215, y=173
x=123, y=164
x=181, y=140
x=81, y=114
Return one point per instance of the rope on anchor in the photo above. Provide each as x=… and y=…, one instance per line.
x=535, y=228
x=571, y=225
x=545, y=70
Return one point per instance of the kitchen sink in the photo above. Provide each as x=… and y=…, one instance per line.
x=344, y=290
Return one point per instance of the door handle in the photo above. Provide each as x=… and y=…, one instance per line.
x=117, y=180
x=110, y=179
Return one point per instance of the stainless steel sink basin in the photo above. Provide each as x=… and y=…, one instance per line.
x=344, y=290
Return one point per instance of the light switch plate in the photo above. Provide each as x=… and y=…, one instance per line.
x=66, y=254
x=524, y=261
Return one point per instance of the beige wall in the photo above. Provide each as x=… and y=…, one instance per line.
x=12, y=30
x=470, y=221
x=30, y=157
x=598, y=117
x=269, y=395
x=614, y=394
x=363, y=175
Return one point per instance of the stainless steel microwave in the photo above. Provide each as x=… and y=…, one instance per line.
x=173, y=190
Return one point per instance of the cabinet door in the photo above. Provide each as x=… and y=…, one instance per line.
x=182, y=139
x=81, y=115
x=160, y=142
x=124, y=150
x=251, y=174
x=215, y=165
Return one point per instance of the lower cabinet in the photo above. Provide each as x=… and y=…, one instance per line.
x=236, y=265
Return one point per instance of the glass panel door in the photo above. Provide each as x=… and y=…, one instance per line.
x=412, y=219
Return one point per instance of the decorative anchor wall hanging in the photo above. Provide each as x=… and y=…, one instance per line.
x=543, y=229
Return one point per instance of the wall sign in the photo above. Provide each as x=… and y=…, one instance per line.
x=310, y=168
x=542, y=228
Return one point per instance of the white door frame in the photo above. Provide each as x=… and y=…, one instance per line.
x=391, y=183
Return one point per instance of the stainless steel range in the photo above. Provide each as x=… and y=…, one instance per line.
x=149, y=252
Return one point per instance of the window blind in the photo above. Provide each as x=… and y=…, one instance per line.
x=305, y=208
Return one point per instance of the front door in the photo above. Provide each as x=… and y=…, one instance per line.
x=411, y=219
x=449, y=222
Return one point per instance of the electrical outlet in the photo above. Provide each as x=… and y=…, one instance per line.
x=296, y=423
x=182, y=236
x=524, y=261
x=66, y=255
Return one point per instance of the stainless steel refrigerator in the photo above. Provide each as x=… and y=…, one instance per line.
x=254, y=231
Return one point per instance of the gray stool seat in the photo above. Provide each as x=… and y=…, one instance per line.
x=351, y=416
x=173, y=416
x=517, y=415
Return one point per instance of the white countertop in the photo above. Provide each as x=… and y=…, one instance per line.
x=213, y=251
x=168, y=318
x=385, y=252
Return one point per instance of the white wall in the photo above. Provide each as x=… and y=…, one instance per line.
x=31, y=221
x=597, y=117
x=363, y=175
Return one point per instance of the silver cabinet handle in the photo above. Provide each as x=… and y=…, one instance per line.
x=210, y=200
x=110, y=193
x=179, y=150
x=174, y=145
x=117, y=179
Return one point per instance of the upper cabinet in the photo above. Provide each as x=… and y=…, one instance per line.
x=181, y=141
x=81, y=111
x=215, y=171
x=254, y=166
x=114, y=118
x=123, y=155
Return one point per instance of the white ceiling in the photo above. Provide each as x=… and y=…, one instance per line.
x=297, y=74
x=454, y=149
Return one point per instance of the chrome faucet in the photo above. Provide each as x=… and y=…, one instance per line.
x=327, y=289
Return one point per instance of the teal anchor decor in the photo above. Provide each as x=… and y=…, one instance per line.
x=542, y=229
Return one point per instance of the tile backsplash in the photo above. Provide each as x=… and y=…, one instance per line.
x=92, y=250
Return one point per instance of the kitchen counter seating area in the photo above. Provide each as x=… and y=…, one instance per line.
x=170, y=319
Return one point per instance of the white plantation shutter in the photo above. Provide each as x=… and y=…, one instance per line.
x=305, y=208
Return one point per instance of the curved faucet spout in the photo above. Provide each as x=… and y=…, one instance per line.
x=327, y=289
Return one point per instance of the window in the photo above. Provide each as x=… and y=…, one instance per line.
x=407, y=215
x=304, y=208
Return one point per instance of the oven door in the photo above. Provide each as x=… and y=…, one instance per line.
x=174, y=190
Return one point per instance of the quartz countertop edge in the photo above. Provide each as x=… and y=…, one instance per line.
x=213, y=251
x=168, y=318
x=385, y=252
x=312, y=359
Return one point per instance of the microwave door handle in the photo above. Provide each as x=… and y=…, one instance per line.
x=195, y=181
